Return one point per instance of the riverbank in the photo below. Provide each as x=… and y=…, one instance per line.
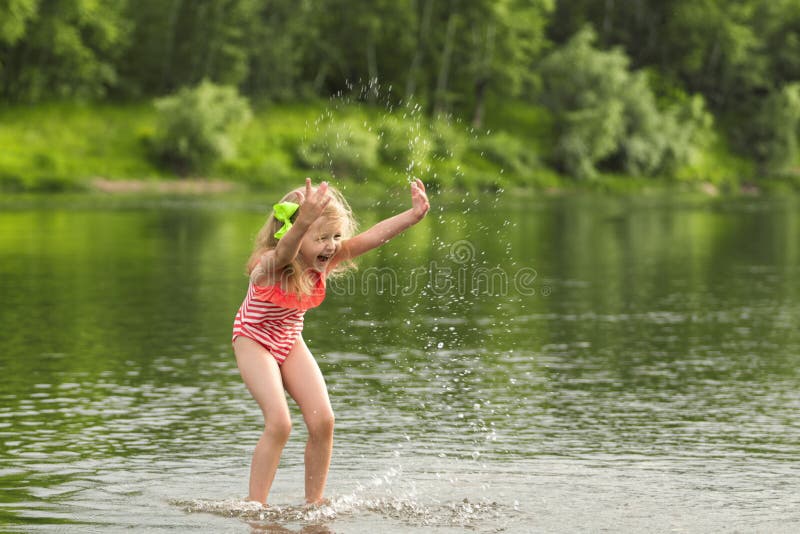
x=61, y=147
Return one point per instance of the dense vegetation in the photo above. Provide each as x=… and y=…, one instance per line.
x=687, y=90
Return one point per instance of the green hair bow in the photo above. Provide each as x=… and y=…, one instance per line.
x=284, y=212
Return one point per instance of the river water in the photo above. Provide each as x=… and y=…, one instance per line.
x=566, y=364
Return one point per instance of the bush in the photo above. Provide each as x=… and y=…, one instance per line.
x=661, y=141
x=446, y=142
x=581, y=87
x=507, y=152
x=261, y=173
x=607, y=116
x=343, y=148
x=688, y=129
x=198, y=127
x=404, y=144
x=774, y=131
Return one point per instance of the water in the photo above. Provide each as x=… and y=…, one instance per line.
x=512, y=365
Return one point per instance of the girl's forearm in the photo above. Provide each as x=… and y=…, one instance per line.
x=287, y=249
x=391, y=227
x=382, y=232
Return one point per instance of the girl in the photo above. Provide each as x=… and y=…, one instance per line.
x=307, y=237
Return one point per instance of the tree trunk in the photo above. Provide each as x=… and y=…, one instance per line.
x=484, y=76
x=480, y=99
x=424, y=29
x=444, y=68
x=169, y=48
x=215, y=22
x=372, y=71
x=608, y=15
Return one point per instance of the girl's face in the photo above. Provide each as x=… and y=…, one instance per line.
x=321, y=243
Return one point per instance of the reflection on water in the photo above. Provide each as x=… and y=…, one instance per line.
x=584, y=364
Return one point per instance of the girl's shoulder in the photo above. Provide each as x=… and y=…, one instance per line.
x=259, y=278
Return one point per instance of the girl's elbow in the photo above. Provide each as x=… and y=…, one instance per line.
x=273, y=261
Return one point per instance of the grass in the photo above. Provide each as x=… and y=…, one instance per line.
x=66, y=146
x=63, y=146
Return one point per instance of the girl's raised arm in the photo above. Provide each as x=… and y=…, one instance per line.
x=387, y=228
x=311, y=207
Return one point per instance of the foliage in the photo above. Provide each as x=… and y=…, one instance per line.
x=447, y=142
x=14, y=17
x=494, y=45
x=508, y=152
x=199, y=126
x=732, y=52
x=60, y=48
x=774, y=136
x=606, y=115
x=472, y=61
x=715, y=47
x=277, y=44
x=581, y=87
x=405, y=144
x=66, y=146
x=62, y=146
x=344, y=149
x=177, y=43
x=660, y=141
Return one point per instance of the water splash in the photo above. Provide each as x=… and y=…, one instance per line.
x=406, y=509
x=387, y=497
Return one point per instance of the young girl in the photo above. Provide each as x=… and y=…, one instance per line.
x=308, y=236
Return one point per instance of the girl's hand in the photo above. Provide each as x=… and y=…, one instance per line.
x=312, y=203
x=419, y=200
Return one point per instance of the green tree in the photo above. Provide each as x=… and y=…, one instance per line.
x=60, y=48
x=717, y=51
x=714, y=47
x=182, y=42
x=343, y=148
x=278, y=41
x=496, y=47
x=778, y=22
x=358, y=42
x=14, y=17
x=607, y=115
x=581, y=86
x=773, y=135
x=466, y=50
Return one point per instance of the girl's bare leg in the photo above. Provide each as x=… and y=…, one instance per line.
x=304, y=382
x=262, y=376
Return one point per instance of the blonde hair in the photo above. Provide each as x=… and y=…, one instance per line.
x=293, y=276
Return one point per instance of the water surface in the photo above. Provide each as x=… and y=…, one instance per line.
x=509, y=365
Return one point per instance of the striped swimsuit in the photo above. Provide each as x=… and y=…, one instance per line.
x=273, y=318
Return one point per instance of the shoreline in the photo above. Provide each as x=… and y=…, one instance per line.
x=217, y=187
x=190, y=186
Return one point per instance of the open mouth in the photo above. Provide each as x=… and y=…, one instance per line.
x=323, y=259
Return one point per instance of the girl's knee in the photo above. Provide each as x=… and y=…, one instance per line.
x=278, y=427
x=321, y=424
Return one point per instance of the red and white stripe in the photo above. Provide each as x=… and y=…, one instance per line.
x=271, y=325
